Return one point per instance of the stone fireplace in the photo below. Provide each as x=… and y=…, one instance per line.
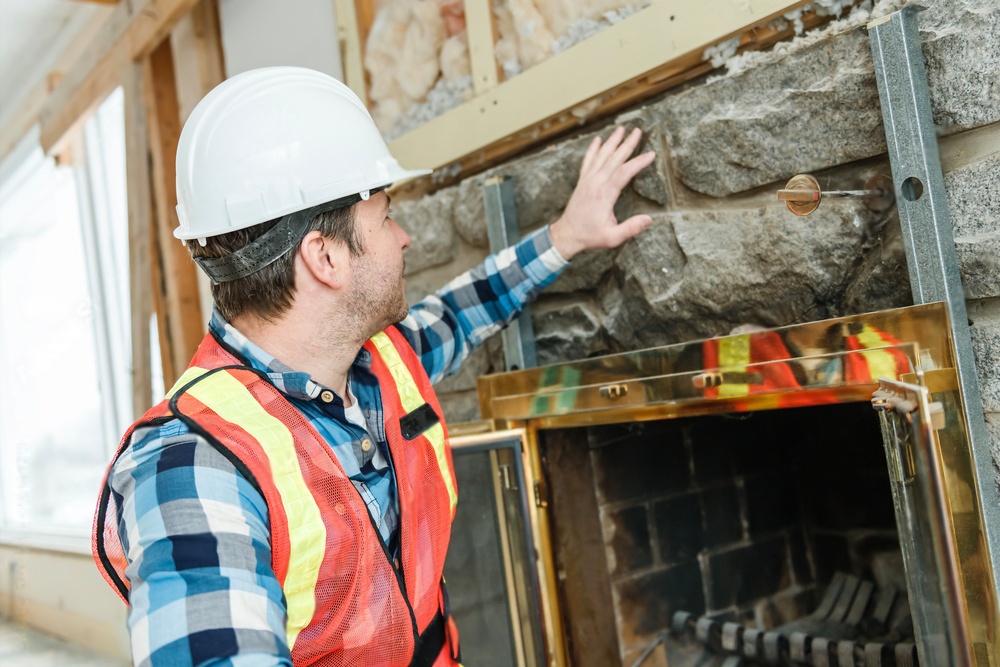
x=738, y=501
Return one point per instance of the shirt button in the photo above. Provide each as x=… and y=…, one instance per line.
x=395, y=562
x=326, y=396
x=366, y=445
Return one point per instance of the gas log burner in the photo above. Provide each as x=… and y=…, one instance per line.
x=796, y=496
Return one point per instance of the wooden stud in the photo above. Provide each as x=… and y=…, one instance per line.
x=480, y=28
x=198, y=60
x=131, y=32
x=181, y=305
x=199, y=66
x=26, y=115
x=617, y=57
x=354, y=19
x=140, y=215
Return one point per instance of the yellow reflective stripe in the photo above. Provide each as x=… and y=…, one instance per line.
x=189, y=374
x=734, y=355
x=869, y=337
x=231, y=400
x=881, y=364
x=409, y=396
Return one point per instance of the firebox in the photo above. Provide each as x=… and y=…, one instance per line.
x=796, y=496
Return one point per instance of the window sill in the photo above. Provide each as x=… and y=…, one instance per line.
x=56, y=542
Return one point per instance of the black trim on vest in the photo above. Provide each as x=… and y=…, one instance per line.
x=102, y=505
x=430, y=642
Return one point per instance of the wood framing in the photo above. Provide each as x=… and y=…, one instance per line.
x=481, y=30
x=199, y=65
x=656, y=48
x=140, y=225
x=130, y=33
x=354, y=19
x=180, y=312
x=27, y=113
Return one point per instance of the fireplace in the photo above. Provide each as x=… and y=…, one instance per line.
x=739, y=501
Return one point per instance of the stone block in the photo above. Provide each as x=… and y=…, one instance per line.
x=470, y=212
x=961, y=45
x=698, y=273
x=476, y=364
x=985, y=329
x=812, y=109
x=974, y=205
x=883, y=279
x=814, y=104
x=429, y=222
x=566, y=330
x=585, y=272
x=461, y=406
x=993, y=430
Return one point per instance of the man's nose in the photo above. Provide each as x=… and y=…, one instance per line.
x=404, y=238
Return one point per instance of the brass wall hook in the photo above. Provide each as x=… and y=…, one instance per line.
x=802, y=194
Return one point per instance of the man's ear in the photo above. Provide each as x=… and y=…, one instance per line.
x=325, y=259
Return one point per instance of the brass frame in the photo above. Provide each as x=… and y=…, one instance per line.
x=637, y=386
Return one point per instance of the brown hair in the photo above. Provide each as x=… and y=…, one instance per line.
x=267, y=293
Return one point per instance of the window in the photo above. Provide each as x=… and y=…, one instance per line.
x=64, y=327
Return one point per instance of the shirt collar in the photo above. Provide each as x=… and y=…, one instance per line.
x=296, y=384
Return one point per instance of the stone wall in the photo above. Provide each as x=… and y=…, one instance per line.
x=722, y=250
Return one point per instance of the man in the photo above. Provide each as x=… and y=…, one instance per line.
x=290, y=501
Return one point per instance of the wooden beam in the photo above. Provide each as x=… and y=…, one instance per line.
x=617, y=57
x=354, y=20
x=30, y=108
x=199, y=65
x=178, y=287
x=132, y=31
x=480, y=27
x=140, y=215
x=98, y=2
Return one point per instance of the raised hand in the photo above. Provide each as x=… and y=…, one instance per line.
x=589, y=222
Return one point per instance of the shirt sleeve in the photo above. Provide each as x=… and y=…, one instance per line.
x=446, y=326
x=196, y=536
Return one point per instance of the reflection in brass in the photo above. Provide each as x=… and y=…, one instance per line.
x=613, y=391
x=802, y=194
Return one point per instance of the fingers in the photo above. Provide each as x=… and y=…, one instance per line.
x=628, y=171
x=608, y=149
x=591, y=153
x=626, y=149
x=629, y=228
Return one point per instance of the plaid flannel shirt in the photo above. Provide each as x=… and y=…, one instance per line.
x=196, y=532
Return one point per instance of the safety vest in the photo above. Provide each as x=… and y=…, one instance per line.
x=347, y=603
x=737, y=366
x=872, y=354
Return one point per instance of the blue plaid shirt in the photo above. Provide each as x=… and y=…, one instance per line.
x=196, y=532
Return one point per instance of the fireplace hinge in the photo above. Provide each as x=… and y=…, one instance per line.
x=541, y=495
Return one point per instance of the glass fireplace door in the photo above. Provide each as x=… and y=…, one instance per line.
x=490, y=570
x=909, y=423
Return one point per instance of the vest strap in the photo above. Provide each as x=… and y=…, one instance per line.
x=430, y=643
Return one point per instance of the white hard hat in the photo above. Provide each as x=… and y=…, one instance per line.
x=275, y=141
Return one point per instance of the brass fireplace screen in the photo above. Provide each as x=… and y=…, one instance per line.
x=901, y=360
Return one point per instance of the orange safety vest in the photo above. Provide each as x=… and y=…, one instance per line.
x=872, y=354
x=738, y=366
x=347, y=603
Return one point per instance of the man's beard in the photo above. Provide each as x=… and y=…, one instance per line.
x=372, y=303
